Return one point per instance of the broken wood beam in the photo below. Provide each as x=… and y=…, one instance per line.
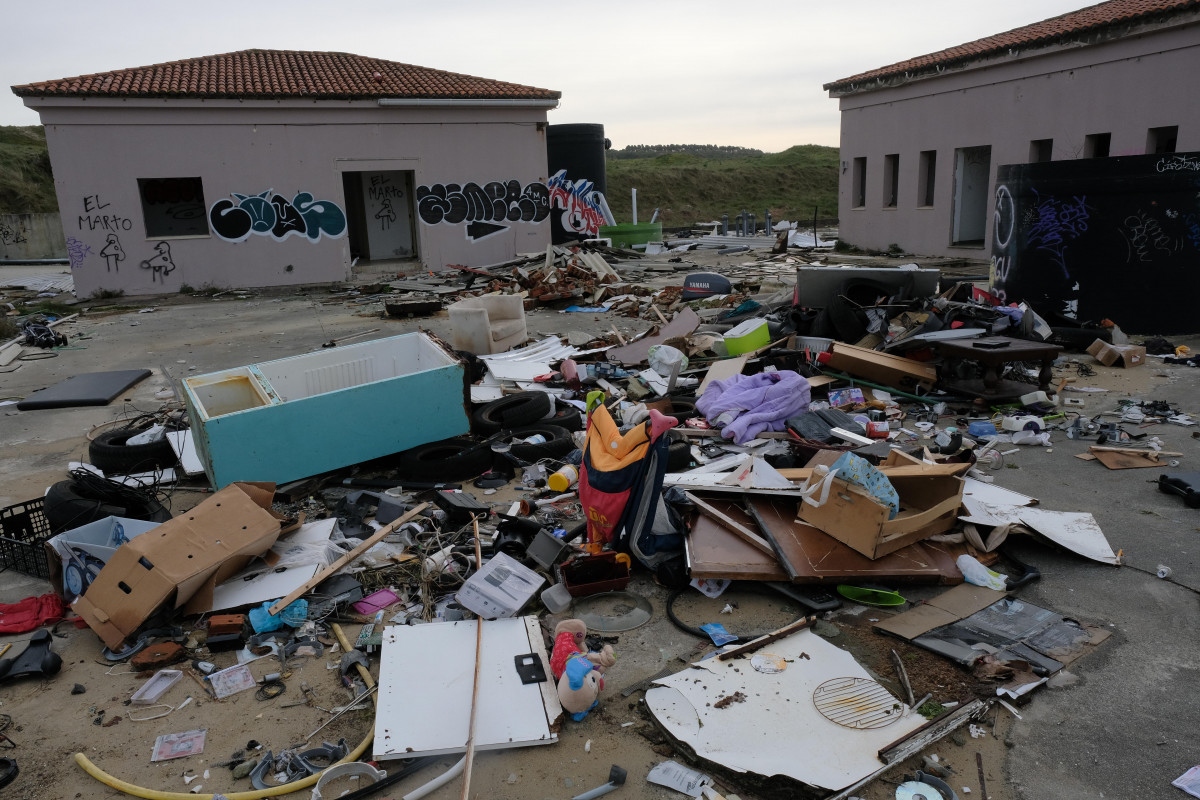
x=763, y=641
x=375, y=539
x=745, y=534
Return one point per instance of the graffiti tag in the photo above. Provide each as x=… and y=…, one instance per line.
x=1178, y=164
x=1145, y=236
x=1193, y=230
x=1005, y=217
x=273, y=215
x=160, y=263
x=112, y=253
x=483, y=207
x=579, y=201
x=77, y=251
x=11, y=236
x=1056, y=223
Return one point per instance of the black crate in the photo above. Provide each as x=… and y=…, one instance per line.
x=23, y=532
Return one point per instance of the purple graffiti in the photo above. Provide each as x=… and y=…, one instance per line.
x=1055, y=224
x=579, y=201
x=77, y=251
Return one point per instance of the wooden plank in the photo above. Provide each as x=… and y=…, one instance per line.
x=470, y=756
x=312, y=582
x=721, y=370
x=763, y=641
x=744, y=533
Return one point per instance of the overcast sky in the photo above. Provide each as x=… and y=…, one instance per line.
x=651, y=71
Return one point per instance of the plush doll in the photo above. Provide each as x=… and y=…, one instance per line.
x=580, y=674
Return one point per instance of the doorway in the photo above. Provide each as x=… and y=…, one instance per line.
x=379, y=213
x=972, y=174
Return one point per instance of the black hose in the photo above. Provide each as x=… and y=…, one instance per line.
x=412, y=766
x=744, y=637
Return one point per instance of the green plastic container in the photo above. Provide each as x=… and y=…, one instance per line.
x=627, y=234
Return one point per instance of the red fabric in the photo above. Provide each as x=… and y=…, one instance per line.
x=565, y=646
x=31, y=613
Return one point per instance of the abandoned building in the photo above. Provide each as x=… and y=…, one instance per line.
x=269, y=168
x=922, y=140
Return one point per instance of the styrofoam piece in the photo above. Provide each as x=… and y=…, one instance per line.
x=259, y=584
x=184, y=446
x=156, y=687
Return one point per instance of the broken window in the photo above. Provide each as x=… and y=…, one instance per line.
x=891, y=179
x=173, y=207
x=1095, y=145
x=1162, y=140
x=1040, y=150
x=926, y=178
x=858, y=183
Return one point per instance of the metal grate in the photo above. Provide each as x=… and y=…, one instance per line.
x=857, y=703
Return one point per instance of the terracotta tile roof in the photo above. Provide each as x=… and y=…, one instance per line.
x=1084, y=22
x=273, y=74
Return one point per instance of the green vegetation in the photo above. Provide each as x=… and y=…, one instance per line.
x=690, y=188
x=699, y=150
x=26, y=183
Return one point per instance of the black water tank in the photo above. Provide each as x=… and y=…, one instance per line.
x=579, y=150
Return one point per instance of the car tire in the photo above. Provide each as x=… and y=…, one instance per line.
x=514, y=411
x=558, y=443
x=69, y=504
x=566, y=416
x=110, y=453
x=446, y=460
x=679, y=456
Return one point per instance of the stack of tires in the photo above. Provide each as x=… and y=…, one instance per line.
x=510, y=420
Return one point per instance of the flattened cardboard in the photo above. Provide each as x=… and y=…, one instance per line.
x=637, y=352
x=950, y=606
x=928, y=506
x=1125, y=355
x=811, y=556
x=883, y=368
x=180, y=561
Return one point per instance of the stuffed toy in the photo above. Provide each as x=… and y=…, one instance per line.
x=580, y=674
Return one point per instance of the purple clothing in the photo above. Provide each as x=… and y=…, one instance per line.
x=756, y=403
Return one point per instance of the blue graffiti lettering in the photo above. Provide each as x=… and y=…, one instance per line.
x=579, y=201
x=269, y=214
x=77, y=251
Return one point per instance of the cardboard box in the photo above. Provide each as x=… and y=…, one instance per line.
x=1128, y=355
x=885, y=369
x=75, y=557
x=929, y=505
x=178, y=564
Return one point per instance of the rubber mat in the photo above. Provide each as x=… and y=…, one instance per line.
x=88, y=389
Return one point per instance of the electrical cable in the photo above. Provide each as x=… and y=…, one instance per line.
x=745, y=637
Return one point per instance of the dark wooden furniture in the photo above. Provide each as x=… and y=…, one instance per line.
x=992, y=353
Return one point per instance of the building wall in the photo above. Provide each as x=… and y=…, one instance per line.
x=297, y=153
x=1122, y=87
x=31, y=236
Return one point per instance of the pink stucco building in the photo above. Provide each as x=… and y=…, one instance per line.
x=268, y=168
x=921, y=140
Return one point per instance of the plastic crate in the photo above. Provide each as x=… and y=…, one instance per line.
x=23, y=533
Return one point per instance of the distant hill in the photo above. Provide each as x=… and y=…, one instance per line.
x=698, y=183
x=26, y=182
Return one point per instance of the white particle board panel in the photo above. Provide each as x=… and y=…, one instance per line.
x=776, y=719
x=426, y=678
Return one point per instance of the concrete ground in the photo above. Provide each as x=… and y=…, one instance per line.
x=1122, y=725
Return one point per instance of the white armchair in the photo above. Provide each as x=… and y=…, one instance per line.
x=488, y=324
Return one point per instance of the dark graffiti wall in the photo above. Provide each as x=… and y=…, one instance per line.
x=1102, y=237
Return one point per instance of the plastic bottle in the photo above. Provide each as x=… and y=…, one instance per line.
x=564, y=478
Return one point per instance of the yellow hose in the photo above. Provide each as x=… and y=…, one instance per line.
x=285, y=788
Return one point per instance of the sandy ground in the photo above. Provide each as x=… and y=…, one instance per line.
x=49, y=724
